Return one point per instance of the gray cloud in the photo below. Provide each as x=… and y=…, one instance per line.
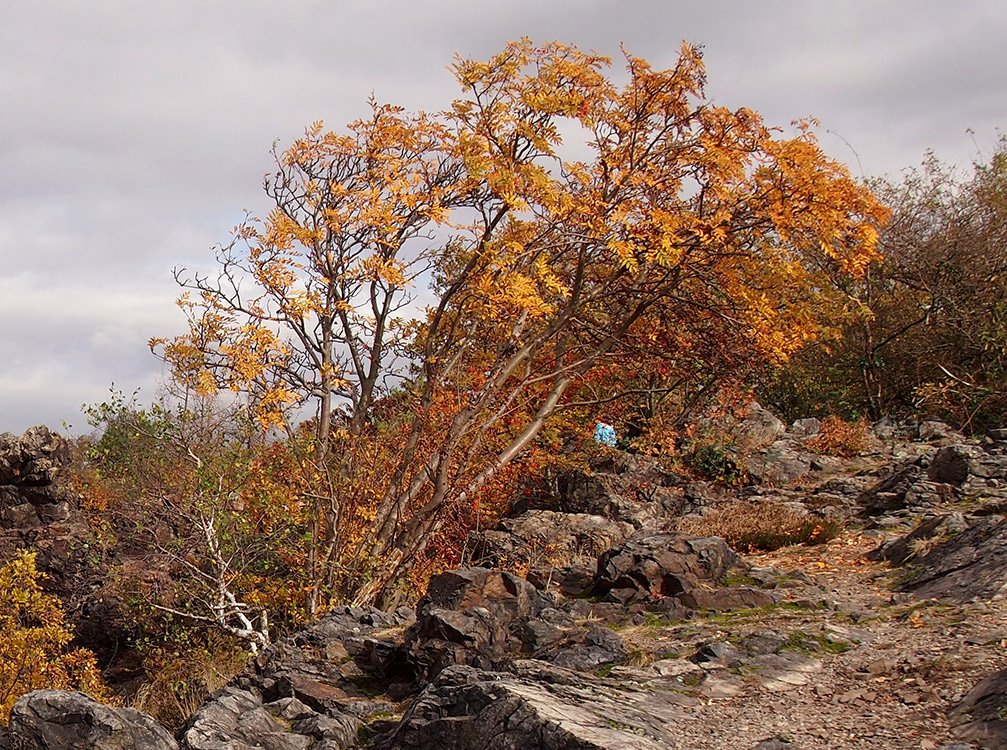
x=134, y=135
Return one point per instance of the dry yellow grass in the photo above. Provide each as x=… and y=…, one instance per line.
x=749, y=527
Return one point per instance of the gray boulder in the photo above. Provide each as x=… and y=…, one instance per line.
x=65, y=720
x=758, y=428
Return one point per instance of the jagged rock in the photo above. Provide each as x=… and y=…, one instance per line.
x=662, y=565
x=307, y=691
x=981, y=716
x=38, y=511
x=570, y=581
x=64, y=720
x=542, y=707
x=544, y=539
x=902, y=549
x=469, y=617
x=34, y=459
x=720, y=652
x=904, y=486
x=967, y=565
x=620, y=486
x=235, y=719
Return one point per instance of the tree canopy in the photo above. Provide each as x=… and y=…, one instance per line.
x=437, y=288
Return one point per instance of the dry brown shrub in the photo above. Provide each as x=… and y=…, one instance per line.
x=837, y=437
x=751, y=527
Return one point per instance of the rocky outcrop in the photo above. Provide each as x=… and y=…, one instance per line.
x=545, y=538
x=308, y=691
x=961, y=564
x=63, y=720
x=39, y=511
x=662, y=565
x=619, y=486
x=471, y=617
x=623, y=635
x=537, y=706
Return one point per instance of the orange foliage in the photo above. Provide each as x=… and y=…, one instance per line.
x=684, y=239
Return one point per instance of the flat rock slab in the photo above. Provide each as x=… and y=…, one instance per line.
x=539, y=707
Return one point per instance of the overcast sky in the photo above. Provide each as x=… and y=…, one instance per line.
x=134, y=135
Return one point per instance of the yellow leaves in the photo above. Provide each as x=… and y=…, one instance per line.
x=271, y=406
x=206, y=384
x=33, y=639
x=390, y=271
x=625, y=253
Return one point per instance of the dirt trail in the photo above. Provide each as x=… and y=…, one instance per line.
x=867, y=668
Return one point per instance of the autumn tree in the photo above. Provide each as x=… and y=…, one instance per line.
x=475, y=266
x=928, y=330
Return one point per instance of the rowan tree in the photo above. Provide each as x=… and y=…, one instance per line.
x=665, y=228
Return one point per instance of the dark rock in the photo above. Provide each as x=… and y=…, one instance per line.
x=314, y=689
x=779, y=742
x=570, y=581
x=64, y=720
x=721, y=652
x=904, y=486
x=470, y=617
x=34, y=459
x=902, y=549
x=600, y=646
x=541, y=707
x=727, y=598
x=662, y=565
x=968, y=565
x=981, y=716
x=620, y=486
x=950, y=465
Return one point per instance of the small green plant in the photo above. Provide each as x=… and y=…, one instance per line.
x=815, y=643
x=716, y=462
